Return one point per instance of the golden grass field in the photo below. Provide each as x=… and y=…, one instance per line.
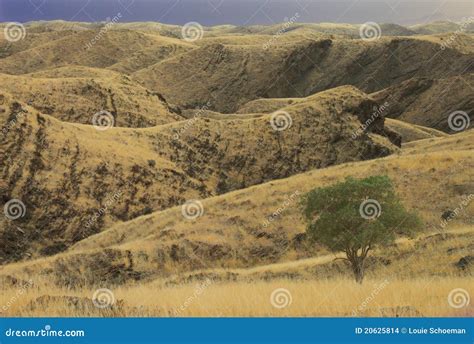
x=319, y=286
x=415, y=297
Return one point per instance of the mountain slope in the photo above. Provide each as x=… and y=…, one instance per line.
x=261, y=224
x=78, y=99
x=429, y=102
x=407, y=131
x=92, y=48
x=231, y=75
x=410, y=132
x=443, y=26
x=64, y=173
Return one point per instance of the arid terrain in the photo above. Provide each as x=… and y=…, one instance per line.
x=147, y=170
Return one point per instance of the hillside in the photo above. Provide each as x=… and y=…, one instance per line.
x=429, y=102
x=71, y=95
x=234, y=230
x=31, y=41
x=231, y=75
x=443, y=26
x=65, y=172
x=231, y=66
x=410, y=132
x=91, y=48
x=143, y=161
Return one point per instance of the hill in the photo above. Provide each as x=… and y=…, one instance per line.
x=232, y=75
x=76, y=94
x=261, y=224
x=91, y=48
x=429, y=102
x=443, y=26
x=66, y=172
x=136, y=159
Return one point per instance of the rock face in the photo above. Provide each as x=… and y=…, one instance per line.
x=74, y=181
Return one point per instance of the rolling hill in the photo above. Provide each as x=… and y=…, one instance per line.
x=232, y=75
x=65, y=172
x=71, y=95
x=135, y=159
x=261, y=224
x=91, y=48
x=429, y=102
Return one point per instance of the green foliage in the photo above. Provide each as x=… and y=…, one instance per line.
x=337, y=217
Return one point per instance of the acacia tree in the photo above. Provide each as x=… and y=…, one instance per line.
x=355, y=216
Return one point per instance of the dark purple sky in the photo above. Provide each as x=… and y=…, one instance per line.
x=238, y=12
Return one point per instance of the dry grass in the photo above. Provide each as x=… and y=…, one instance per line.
x=75, y=94
x=331, y=297
x=416, y=282
x=334, y=297
x=78, y=169
x=153, y=259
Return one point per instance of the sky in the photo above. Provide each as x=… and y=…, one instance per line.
x=239, y=12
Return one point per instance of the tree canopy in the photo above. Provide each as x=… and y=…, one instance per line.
x=356, y=215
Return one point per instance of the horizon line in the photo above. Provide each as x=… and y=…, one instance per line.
x=273, y=24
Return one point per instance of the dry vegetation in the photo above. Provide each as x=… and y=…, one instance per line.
x=397, y=285
x=192, y=121
x=335, y=297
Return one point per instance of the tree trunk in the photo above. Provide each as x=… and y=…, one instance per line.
x=358, y=269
